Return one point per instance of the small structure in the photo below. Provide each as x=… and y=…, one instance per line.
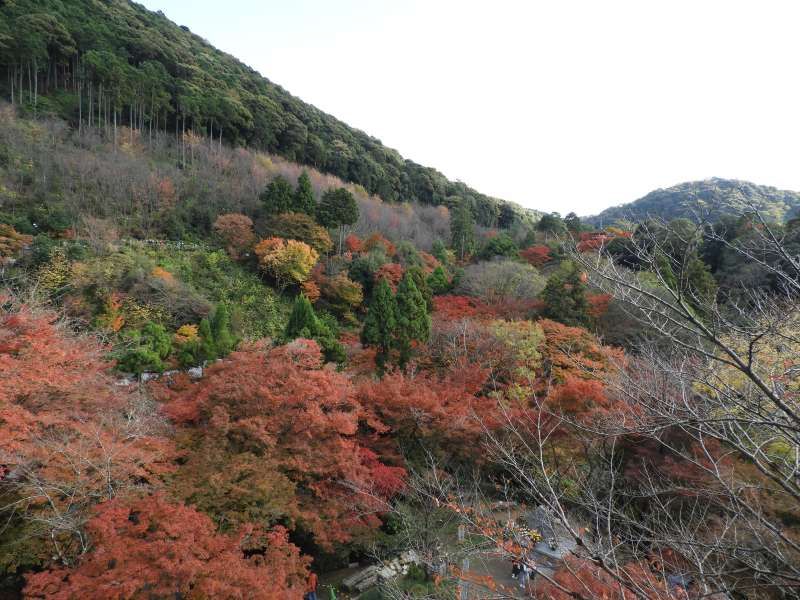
x=375, y=574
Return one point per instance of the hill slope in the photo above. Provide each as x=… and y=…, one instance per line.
x=710, y=198
x=147, y=70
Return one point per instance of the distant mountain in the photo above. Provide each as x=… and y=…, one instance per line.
x=143, y=68
x=704, y=199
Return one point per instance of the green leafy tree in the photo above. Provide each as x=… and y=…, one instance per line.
x=551, y=223
x=564, y=296
x=500, y=245
x=150, y=346
x=304, y=195
x=338, y=208
x=380, y=326
x=413, y=321
x=573, y=223
x=278, y=197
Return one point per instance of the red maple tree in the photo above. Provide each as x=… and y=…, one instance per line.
x=151, y=548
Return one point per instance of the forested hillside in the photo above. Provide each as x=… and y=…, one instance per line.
x=709, y=200
x=114, y=62
x=227, y=374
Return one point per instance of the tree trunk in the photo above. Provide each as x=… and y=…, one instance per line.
x=35, y=85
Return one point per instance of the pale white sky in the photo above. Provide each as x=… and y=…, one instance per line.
x=559, y=105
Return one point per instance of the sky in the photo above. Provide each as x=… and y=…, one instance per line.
x=560, y=105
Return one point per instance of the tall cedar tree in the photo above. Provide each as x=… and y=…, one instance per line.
x=304, y=196
x=337, y=209
x=302, y=321
x=462, y=230
x=564, y=297
x=224, y=341
x=421, y=281
x=278, y=197
x=381, y=323
x=413, y=321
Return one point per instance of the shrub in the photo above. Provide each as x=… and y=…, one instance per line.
x=501, y=280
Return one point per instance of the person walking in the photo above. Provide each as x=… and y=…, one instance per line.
x=524, y=575
x=311, y=587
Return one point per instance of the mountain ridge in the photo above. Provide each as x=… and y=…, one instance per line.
x=706, y=198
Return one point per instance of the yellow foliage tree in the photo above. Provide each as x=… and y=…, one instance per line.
x=287, y=261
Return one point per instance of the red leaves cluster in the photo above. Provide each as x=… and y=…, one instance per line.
x=150, y=548
x=392, y=273
x=585, y=579
x=69, y=437
x=236, y=231
x=41, y=367
x=598, y=304
x=584, y=398
x=304, y=419
x=536, y=255
x=376, y=240
x=594, y=240
x=451, y=307
x=443, y=409
x=353, y=243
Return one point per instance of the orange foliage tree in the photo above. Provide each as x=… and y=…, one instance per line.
x=69, y=437
x=304, y=420
x=536, y=255
x=392, y=273
x=150, y=548
x=237, y=234
x=376, y=240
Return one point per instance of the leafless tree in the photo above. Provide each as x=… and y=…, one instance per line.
x=716, y=390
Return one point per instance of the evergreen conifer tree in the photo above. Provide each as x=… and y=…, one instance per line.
x=278, y=197
x=413, y=321
x=224, y=341
x=304, y=196
x=565, y=297
x=208, y=350
x=437, y=281
x=381, y=323
x=303, y=321
x=462, y=230
x=421, y=281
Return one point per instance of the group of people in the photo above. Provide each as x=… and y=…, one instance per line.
x=521, y=571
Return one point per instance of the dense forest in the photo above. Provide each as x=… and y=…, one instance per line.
x=231, y=369
x=113, y=62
